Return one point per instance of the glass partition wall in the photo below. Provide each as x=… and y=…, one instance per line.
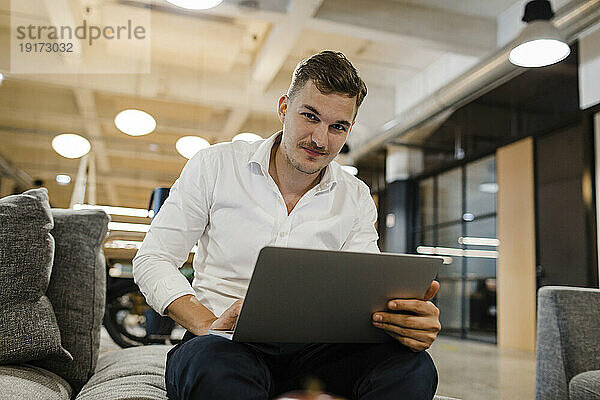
x=457, y=219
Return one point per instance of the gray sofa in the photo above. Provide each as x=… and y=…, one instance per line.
x=52, y=286
x=568, y=344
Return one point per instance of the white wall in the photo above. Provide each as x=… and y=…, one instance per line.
x=589, y=68
x=597, y=140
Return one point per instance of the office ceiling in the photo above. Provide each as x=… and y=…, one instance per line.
x=216, y=73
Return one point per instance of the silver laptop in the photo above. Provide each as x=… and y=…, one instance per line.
x=322, y=296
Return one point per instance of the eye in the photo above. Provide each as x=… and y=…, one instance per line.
x=339, y=127
x=310, y=116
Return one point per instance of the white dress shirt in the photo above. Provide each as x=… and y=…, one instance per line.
x=226, y=202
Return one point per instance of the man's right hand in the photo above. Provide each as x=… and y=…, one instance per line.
x=227, y=320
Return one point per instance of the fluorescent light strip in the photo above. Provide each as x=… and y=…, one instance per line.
x=449, y=251
x=476, y=241
x=131, y=244
x=126, y=227
x=128, y=212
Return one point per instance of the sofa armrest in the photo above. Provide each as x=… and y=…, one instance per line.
x=568, y=328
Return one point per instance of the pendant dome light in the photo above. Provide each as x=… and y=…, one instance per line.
x=196, y=4
x=540, y=42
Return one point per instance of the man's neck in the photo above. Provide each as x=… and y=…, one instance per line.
x=290, y=181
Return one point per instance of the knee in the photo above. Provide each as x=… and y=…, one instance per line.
x=410, y=375
x=201, y=356
x=205, y=362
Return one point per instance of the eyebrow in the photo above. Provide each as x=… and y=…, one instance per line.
x=311, y=108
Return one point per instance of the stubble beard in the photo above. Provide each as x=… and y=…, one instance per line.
x=294, y=163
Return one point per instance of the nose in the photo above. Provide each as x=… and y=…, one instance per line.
x=319, y=136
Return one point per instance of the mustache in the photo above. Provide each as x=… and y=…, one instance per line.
x=312, y=147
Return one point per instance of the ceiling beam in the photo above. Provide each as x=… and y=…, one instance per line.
x=280, y=42
x=42, y=172
x=400, y=22
x=61, y=14
x=87, y=107
x=77, y=123
x=30, y=141
x=20, y=177
x=235, y=122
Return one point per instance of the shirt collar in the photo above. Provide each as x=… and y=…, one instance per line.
x=262, y=157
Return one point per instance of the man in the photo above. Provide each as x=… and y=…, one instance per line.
x=232, y=199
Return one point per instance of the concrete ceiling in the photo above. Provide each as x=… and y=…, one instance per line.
x=219, y=72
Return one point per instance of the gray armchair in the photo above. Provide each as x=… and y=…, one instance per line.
x=568, y=344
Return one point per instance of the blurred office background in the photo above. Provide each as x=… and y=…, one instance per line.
x=467, y=155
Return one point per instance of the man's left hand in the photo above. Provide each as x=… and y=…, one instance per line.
x=414, y=323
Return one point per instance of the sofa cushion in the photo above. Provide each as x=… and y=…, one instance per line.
x=27, y=381
x=585, y=386
x=77, y=290
x=134, y=373
x=28, y=327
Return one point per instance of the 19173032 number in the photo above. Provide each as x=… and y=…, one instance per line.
x=46, y=47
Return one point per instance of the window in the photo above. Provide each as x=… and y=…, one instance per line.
x=457, y=213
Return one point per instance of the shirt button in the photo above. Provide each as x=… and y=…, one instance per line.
x=281, y=234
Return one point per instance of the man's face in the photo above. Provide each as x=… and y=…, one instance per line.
x=315, y=127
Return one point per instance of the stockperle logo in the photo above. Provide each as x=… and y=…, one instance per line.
x=106, y=38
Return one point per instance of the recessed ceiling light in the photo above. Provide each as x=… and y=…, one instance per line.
x=350, y=169
x=188, y=146
x=135, y=122
x=62, y=179
x=248, y=137
x=196, y=4
x=70, y=145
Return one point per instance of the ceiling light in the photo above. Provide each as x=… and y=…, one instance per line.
x=1, y=78
x=454, y=252
x=196, y=4
x=248, y=137
x=70, y=145
x=135, y=122
x=127, y=227
x=128, y=212
x=540, y=42
x=468, y=217
x=488, y=187
x=188, y=146
x=350, y=169
x=62, y=179
x=477, y=241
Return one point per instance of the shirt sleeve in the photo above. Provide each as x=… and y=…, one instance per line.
x=175, y=229
x=364, y=236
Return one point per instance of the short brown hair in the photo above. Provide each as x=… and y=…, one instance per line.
x=331, y=72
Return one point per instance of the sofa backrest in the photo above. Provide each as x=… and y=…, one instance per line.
x=568, y=329
x=77, y=290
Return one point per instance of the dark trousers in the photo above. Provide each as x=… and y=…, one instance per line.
x=211, y=367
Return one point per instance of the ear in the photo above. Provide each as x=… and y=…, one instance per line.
x=282, y=105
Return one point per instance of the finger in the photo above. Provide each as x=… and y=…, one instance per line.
x=412, y=344
x=409, y=321
x=419, y=307
x=432, y=291
x=417, y=334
